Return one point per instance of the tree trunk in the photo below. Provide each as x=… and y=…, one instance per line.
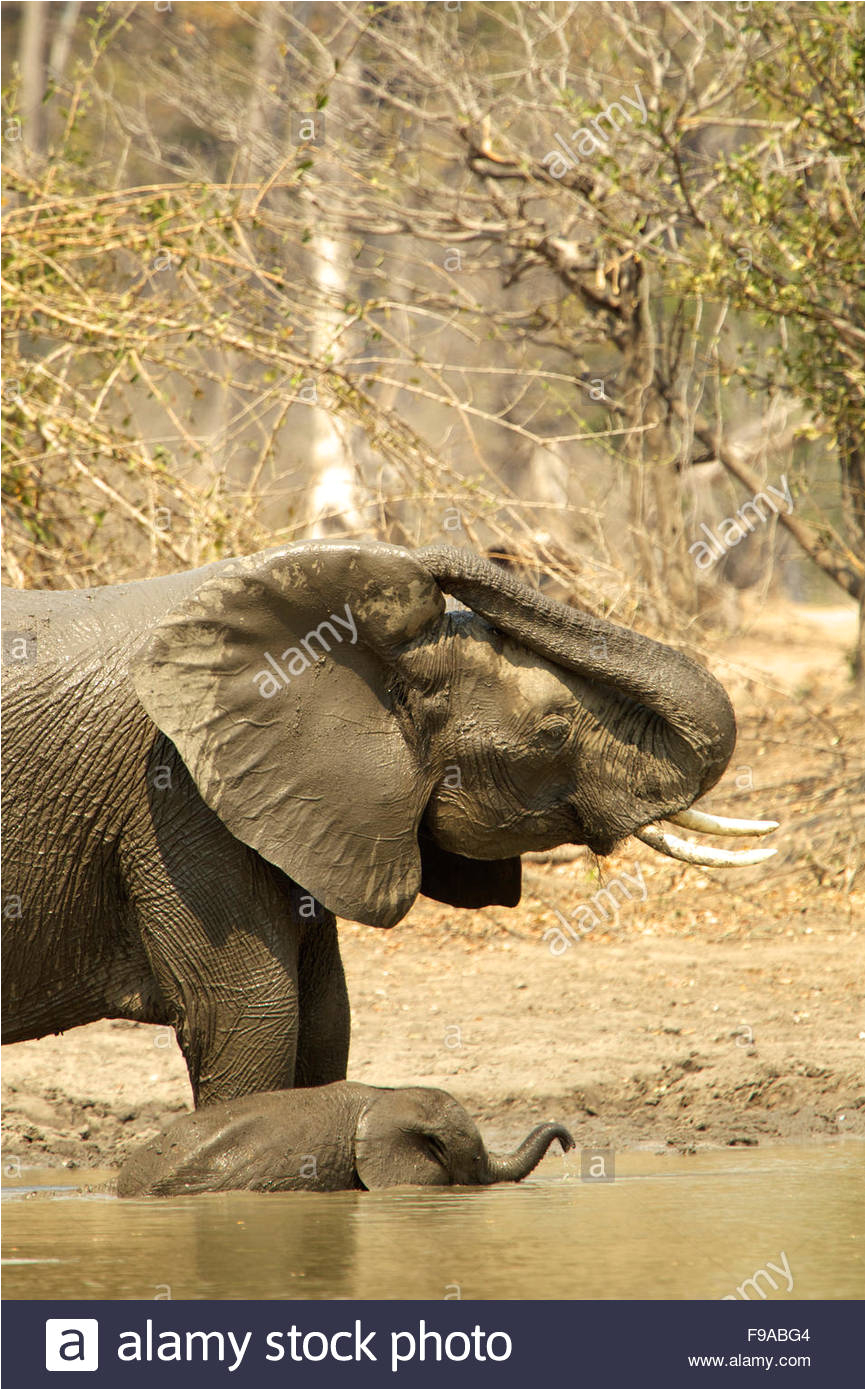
x=655, y=495
x=32, y=61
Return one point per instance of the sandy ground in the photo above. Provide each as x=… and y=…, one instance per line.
x=710, y=1008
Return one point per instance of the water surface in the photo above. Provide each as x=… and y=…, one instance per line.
x=669, y=1226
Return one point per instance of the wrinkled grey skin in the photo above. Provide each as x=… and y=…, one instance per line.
x=180, y=843
x=326, y=1139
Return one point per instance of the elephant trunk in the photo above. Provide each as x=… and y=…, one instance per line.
x=682, y=693
x=513, y=1167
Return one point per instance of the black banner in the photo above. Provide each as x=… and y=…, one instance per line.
x=504, y=1344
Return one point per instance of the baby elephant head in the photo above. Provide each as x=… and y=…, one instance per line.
x=424, y=1137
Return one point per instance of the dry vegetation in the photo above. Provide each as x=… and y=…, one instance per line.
x=225, y=327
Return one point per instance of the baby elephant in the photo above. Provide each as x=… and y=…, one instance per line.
x=325, y=1138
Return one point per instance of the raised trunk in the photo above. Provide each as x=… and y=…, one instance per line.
x=682, y=693
x=513, y=1167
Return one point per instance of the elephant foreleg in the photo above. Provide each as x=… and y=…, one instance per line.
x=323, y=1032
x=224, y=953
x=238, y=1038
x=235, y=1048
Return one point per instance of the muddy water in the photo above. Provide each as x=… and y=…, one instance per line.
x=667, y=1227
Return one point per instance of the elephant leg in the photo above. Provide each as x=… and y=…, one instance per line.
x=233, y=1047
x=238, y=1037
x=223, y=946
x=323, y=1034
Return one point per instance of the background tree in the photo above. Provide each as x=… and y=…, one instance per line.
x=556, y=280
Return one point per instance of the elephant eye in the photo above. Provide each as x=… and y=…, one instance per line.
x=554, y=732
x=435, y=1148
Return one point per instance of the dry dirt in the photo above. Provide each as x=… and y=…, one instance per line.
x=721, y=1008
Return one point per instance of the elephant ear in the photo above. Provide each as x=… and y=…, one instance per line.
x=396, y=1145
x=277, y=683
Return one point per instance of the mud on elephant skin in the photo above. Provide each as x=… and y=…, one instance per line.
x=203, y=769
x=326, y=1139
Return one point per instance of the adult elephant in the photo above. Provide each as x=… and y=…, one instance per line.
x=202, y=769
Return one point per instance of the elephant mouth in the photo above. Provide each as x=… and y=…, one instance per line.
x=603, y=841
x=692, y=852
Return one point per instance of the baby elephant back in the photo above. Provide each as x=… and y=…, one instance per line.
x=244, y=1144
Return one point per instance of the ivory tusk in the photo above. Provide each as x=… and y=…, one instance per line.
x=691, y=853
x=721, y=825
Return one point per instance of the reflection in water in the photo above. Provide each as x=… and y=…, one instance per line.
x=668, y=1227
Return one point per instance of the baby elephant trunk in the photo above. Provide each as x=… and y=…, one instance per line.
x=513, y=1167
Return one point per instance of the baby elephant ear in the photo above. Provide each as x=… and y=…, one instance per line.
x=276, y=681
x=396, y=1145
